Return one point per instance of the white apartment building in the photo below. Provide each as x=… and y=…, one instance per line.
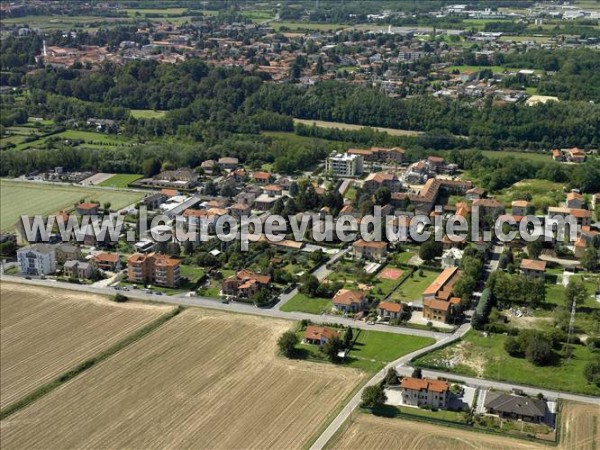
x=344, y=164
x=37, y=259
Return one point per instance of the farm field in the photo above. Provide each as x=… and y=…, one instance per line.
x=46, y=332
x=542, y=157
x=17, y=198
x=306, y=26
x=121, y=180
x=202, y=380
x=49, y=23
x=89, y=138
x=349, y=126
x=147, y=114
x=476, y=355
x=578, y=430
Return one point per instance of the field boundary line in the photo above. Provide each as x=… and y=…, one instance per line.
x=89, y=363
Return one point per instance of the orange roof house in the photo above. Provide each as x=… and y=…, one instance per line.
x=347, y=300
x=319, y=335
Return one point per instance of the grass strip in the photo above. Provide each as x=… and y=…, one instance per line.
x=88, y=363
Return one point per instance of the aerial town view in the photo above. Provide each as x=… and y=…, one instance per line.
x=300, y=224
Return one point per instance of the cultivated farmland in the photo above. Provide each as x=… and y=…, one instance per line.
x=46, y=332
x=202, y=380
x=350, y=126
x=578, y=431
x=17, y=198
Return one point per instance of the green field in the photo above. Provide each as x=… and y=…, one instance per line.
x=307, y=26
x=89, y=138
x=303, y=303
x=49, y=23
x=413, y=287
x=350, y=126
x=385, y=347
x=18, y=198
x=542, y=157
x=164, y=12
x=121, y=180
x=477, y=355
x=147, y=114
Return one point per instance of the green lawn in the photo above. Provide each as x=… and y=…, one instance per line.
x=303, y=303
x=17, y=198
x=192, y=273
x=405, y=256
x=478, y=355
x=386, y=347
x=412, y=288
x=542, y=157
x=90, y=138
x=121, y=180
x=147, y=114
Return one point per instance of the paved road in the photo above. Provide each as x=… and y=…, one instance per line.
x=211, y=303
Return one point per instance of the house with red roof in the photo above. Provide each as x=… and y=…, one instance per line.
x=389, y=310
x=425, y=392
x=533, y=268
x=349, y=301
x=319, y=335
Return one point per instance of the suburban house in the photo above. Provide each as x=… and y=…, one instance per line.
x=65, y=252
x=37, y=259
x=390, y=310
x=452, y=257
x=87, y=209
x=381, y=179
x=153, y=201
x=153, y=268
x=78, y=269
x=349, y=301
x=575, y=200
x=425, y=392
x=520, y=208
x=261, y=177
x=488, y=207
x=107, y=261
x=227, y=163
x=371, y=250
x=319, y=335
x=576, y=155
x=435, y=163
x=244, y=284
x=393, y=155
x=557, y=155
x=475, y=193
x=438, y=302
x=533, y=268
x=344, y=164
x=515, y=407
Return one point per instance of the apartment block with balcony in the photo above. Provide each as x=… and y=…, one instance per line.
x=344, y=164
x=153, y=268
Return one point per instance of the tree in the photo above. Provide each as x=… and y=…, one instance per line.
x=417, y=373
x=373, y=396
x=348, y=336
x=513, y=347
x=575, y=292
x=309, y=285
x=538, y=351
x=150, y=167
x=591, y=372
x=382, y=196
x=534, y=249
x=429, y=250
x=591, y=259
x=332, y=347
x=391, y=377
x=262, y=297
x=287, y=343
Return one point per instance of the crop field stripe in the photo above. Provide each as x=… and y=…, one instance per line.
x=89, y=363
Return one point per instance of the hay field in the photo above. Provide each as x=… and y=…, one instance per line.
x=46, y=332
x=579, y=430
x=350, y=126
x=17, y=198
x=202, y=380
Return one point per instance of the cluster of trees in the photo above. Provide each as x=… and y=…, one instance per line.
x=483, y=310
x=310, y=286
x=472, y=270
x=510, y=288
x=534, y=345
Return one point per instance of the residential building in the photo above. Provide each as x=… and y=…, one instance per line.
x=319, y=335
x=78, y=269
x=349, y=301
x=153, y=201
x=435, y=163
x=515, y=407
x=381, y=179
x=261, y=177
x=153, y=268
x=533, y=268
x=475, y=193
x=438, y=302
x=425, y=392
x=575, y=200
x=371, y=250
x=389, y=310
x=65, y=252
x=37, y=259
x=452, y=257
x=488, y=207
x=520, y=208
x=228, y=163
x=344, y=165
x=244, y=284
x=557, y=155
x=89, y=209
x=595, y=200
x=110, y=262
x=576, y=155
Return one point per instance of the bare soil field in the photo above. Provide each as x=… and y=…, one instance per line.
x=350, y=126
x=579, y=430
x=46, y=332
x=202, y=380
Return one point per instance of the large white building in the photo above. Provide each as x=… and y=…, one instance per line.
x=37, y=259
x=344, y=164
